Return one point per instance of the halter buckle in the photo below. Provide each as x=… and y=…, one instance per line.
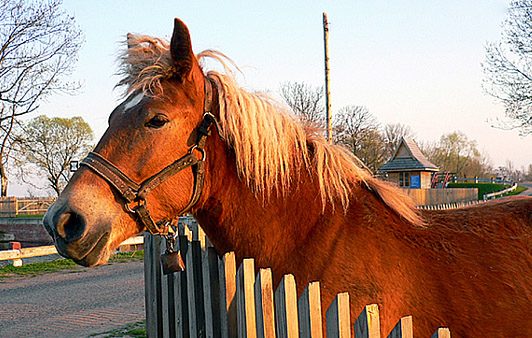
x=140, y=202
x=202, y=151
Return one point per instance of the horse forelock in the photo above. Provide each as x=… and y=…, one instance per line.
x=144, y=64
x=271, y=147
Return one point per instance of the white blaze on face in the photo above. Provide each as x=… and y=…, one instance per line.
x=132, y=102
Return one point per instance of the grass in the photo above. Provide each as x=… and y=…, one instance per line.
x=486, y=188
x=67, y=265
x=517, y=191
x=40, y=268
x=122, y=257
x=135, y=330
x=29, y=216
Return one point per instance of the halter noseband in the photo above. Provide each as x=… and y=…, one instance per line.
x=132, y=192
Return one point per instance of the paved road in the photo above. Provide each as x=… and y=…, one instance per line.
x=72, y=304
x=529, y=190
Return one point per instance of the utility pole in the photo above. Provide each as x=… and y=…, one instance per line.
x=327, y=89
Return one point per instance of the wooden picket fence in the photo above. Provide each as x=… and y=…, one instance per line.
x=212, y=298
x=447, y=206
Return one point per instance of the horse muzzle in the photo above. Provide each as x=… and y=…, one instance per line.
x=71, y=237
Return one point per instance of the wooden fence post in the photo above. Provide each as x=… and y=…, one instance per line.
x=198, y=295
x=403, y=329
x=180, y=288
x=264, y=304
x=442, y=332
x=211, y=292
x=194, y=322
x=167, y=299
x=338, y=318
x=152, y=285
x=309, y=304
x=368, y=323
x=286, y=308
x=228, y=296
x=245, y=294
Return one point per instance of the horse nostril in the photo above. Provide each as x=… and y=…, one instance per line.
x=48, y=226
x=70, y=226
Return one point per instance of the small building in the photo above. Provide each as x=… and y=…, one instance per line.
x=408, y=167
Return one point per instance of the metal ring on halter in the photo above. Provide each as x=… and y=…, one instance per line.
x=172, y=235
x=140, y=202
x=202, y=151
x=216, y=124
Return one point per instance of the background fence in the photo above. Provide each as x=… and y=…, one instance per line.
x=13, y=206
x=498, y=193
x=212, y=298
x=446, y=206
x=492, y=180
x=15, y=256
x=427, y=197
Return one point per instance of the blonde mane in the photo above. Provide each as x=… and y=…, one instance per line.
x=271, y=148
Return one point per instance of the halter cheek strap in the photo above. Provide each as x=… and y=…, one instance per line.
x=133, y=192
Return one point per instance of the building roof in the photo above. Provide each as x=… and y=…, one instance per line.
x=408, y=156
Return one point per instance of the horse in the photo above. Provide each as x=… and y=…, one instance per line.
x=265, y=185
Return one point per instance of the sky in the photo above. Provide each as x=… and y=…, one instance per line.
x=412, y=62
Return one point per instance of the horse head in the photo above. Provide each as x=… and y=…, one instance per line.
x=148, y=163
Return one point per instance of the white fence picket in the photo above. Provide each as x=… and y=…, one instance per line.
x=367, y=324
x=338, y=317
x=228, y=296
x=245, y=289
x=264, y=304
x=286, y=308
x=442, y=333
x=180, y=292
x=309, y=304
x=167, y=296
x=211, y=292
x=152, y=285
x=193, y=325
x=403, y=329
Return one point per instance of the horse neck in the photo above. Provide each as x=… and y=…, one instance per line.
x=237, y=219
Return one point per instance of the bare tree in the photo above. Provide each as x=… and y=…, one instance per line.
x=508, y=67
x=528, y=176
x=372, y=149
x=305, y=101
x=358, y=130
x=39, y=44
x=392, y=134
x=350, y=124
x=47, y=146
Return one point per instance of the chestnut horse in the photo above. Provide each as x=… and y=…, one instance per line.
x=266, y=186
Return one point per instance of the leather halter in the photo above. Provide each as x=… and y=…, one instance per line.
x=133, y=192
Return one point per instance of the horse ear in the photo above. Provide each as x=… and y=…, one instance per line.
x=181, y=49
x=129, y=40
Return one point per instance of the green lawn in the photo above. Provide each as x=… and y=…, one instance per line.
x=34, y=269
x=29, y=216
x=518, y=190
x=136, y=330
x=486, y=188
x=38, y=268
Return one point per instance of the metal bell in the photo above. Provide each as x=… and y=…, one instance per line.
x=172, y=261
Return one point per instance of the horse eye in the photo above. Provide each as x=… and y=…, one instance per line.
x=157, y=121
